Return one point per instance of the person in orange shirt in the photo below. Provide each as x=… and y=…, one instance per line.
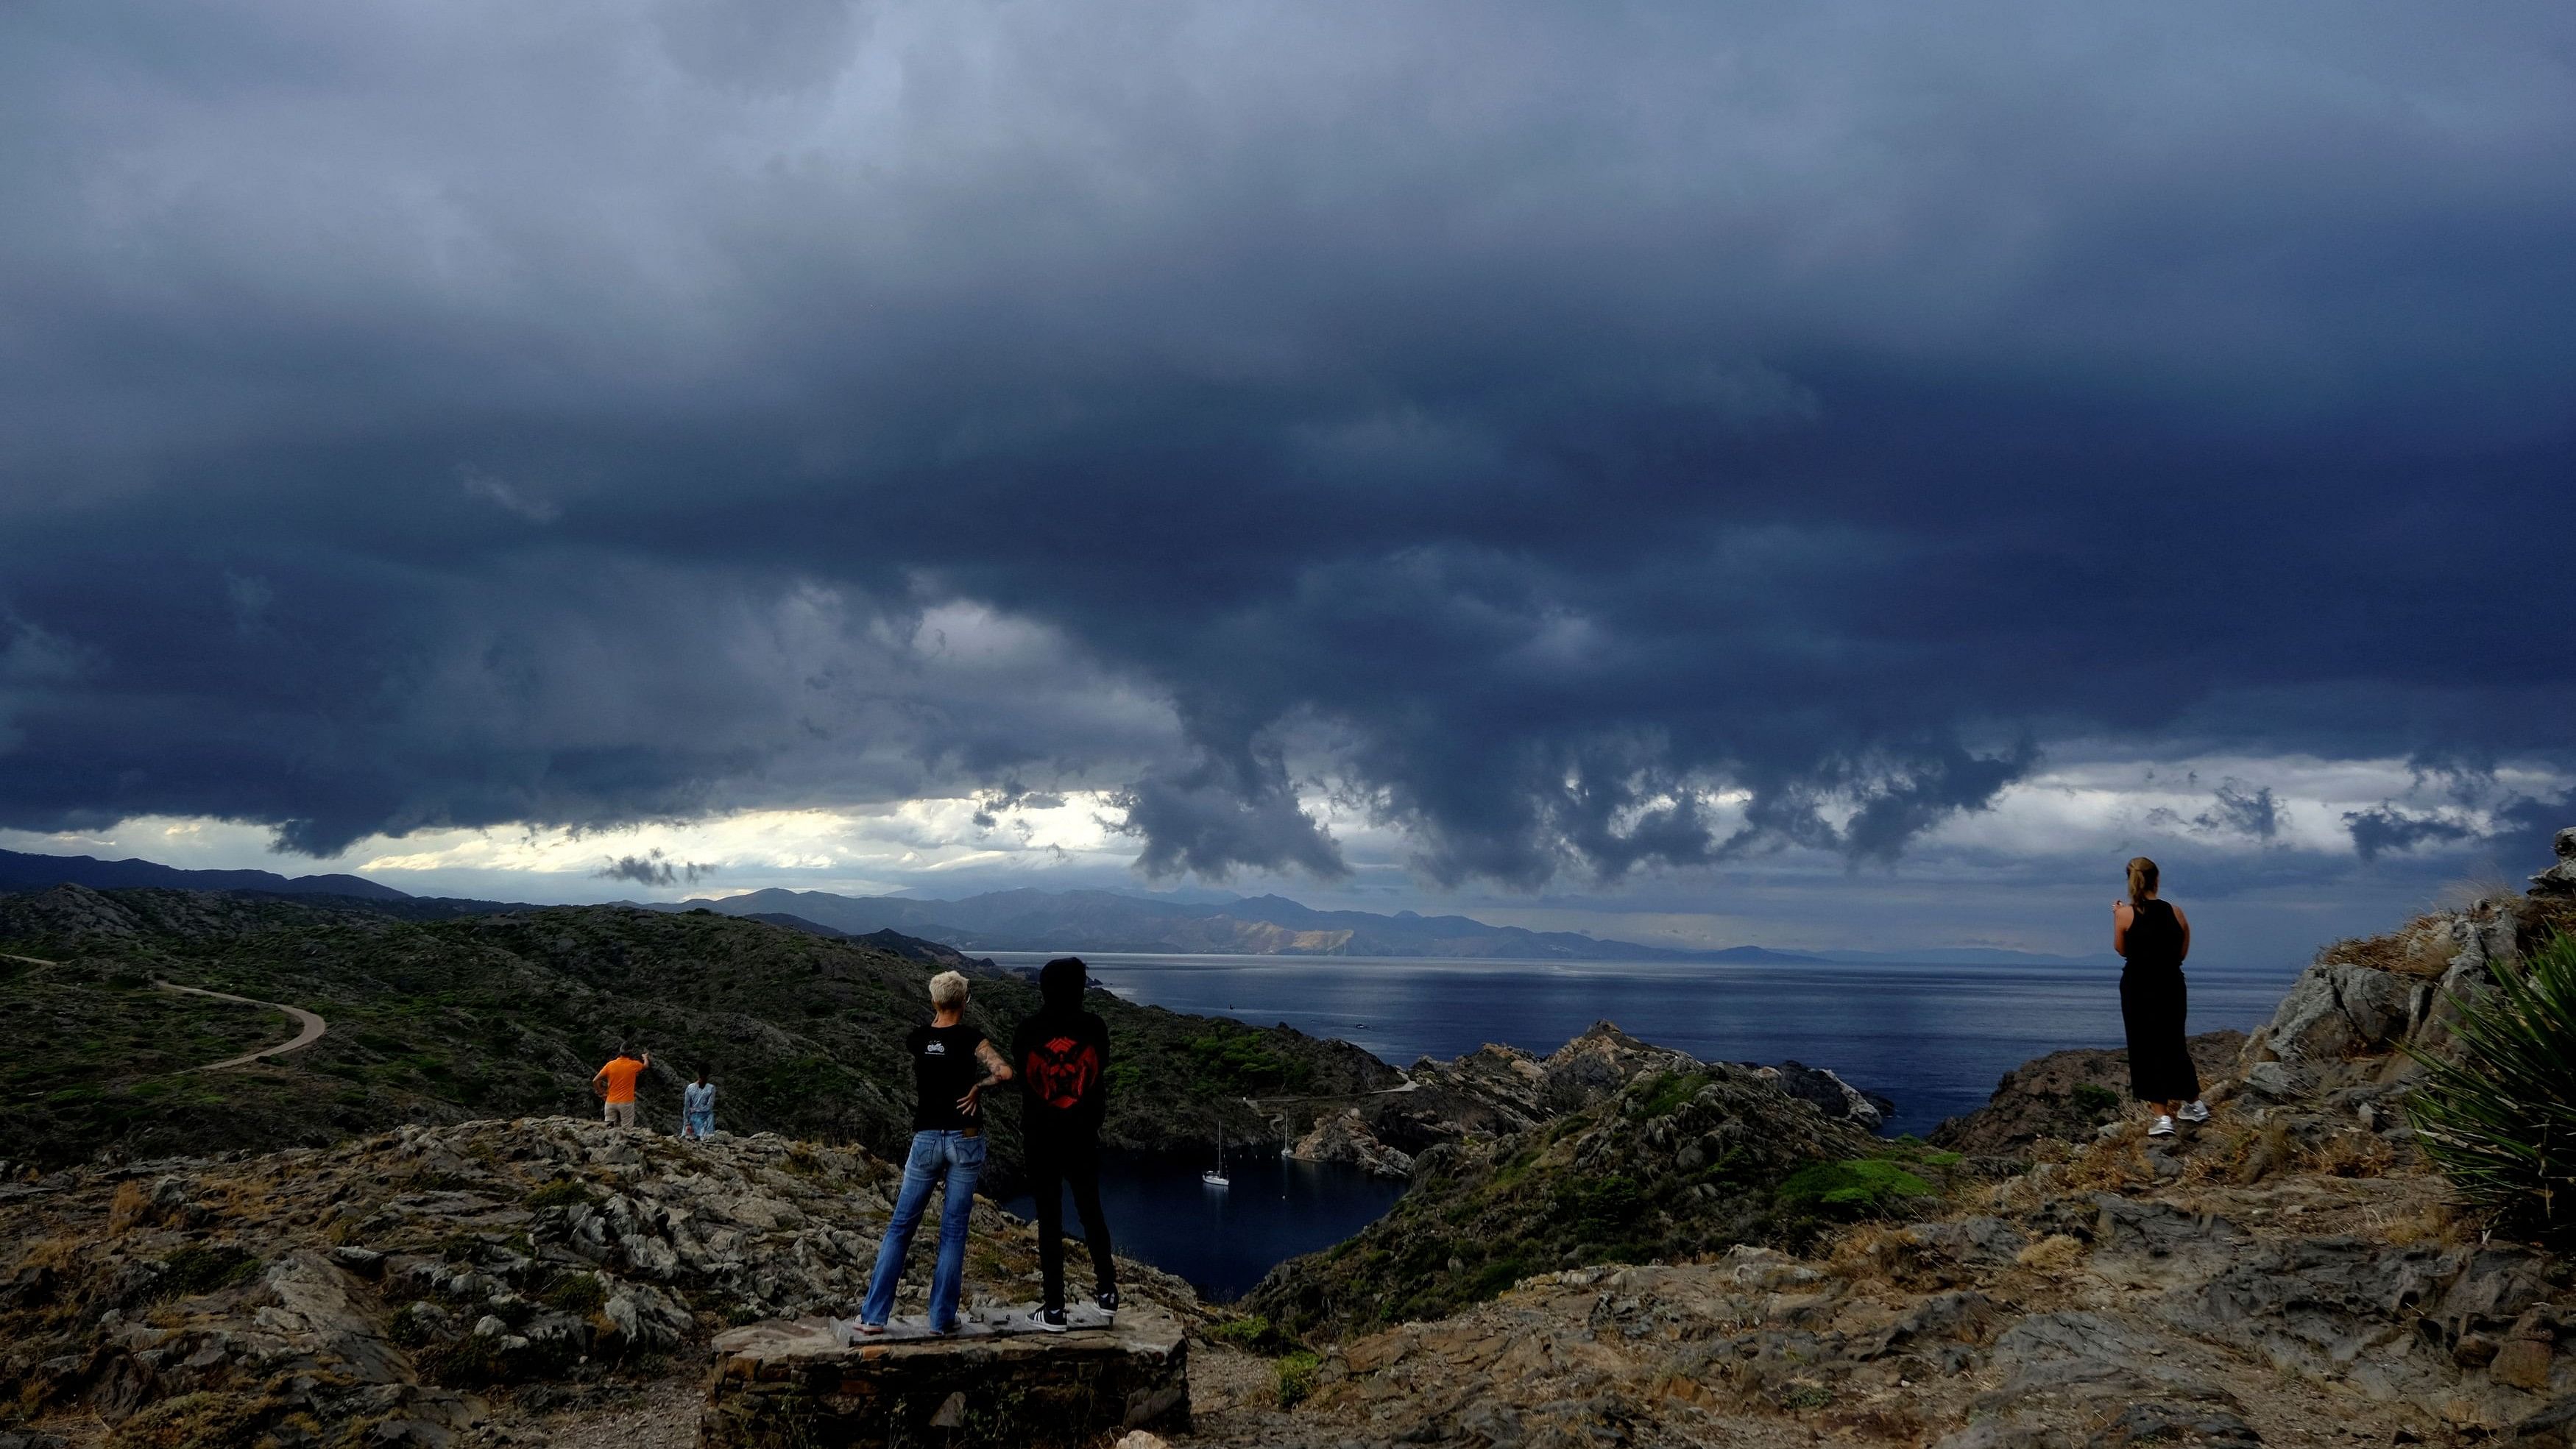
x=615, y=1084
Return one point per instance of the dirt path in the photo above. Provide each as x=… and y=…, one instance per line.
x=313, y=1026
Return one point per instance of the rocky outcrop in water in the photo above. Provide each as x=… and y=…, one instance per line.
x=1633, y=1152
x=1824, y=1090
x=1346, y=1137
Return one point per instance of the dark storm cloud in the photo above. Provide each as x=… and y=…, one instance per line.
x=651, y=869
x=2234, y=810
x=2385, y=828
x=1524, y=422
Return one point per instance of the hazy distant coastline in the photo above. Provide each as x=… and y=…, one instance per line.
x=1109, y=922
x=1035, y=920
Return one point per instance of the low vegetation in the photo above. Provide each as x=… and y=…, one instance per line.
x=2497, y=1115
x=507, y=1015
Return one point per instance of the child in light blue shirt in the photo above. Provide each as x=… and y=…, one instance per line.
x=698, y=1107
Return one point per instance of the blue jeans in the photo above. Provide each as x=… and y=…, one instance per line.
x=960, y=1159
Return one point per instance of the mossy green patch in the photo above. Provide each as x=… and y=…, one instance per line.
x=1665, y=1093
x=197, y=1269
x=1852, y=1187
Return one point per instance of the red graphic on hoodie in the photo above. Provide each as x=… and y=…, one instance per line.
x=1060, y=1071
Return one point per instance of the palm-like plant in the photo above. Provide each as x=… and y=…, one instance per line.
x=2496, y=1112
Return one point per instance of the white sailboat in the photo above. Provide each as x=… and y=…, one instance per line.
x=1215, y=1176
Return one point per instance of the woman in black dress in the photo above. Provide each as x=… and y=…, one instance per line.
x=2153, y=938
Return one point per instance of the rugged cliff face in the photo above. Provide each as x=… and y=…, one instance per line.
x=1612, y=1151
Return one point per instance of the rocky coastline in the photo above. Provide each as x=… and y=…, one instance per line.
x=1613, y=1244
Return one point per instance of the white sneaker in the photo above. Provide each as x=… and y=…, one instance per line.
x=2194, y=1111
x=2163, y=1127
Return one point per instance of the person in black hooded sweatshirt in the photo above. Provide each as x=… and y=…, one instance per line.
x=1062, y=1056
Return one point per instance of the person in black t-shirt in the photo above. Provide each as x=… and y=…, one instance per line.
x=952, y=1064
x=1062, y=1057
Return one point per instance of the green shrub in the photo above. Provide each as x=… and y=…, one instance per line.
x=460, y=1363
x=193, y=1270
x=1242, y=1332
x=2498, y=1114
x=1297, y=1377
x=579, y=1294
x=1666, y=1093
x=1853, y=1187
x=2091, y=1098
x=1601, y=1210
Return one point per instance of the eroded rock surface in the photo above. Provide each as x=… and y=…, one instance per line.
x=1347, y=1137
x=408, y=1288
x=787, y=1385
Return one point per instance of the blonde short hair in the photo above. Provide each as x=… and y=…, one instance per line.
x=947, y=990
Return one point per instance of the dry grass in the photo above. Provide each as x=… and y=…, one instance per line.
x=2489, y=882
x=2351, y=1153
x=2422, y=947
x=1873, y=1253
x=2051, y=1149
x=131, y=1209
x=2437, y=1223
x=2112, y=1166
x=49, y=1252
x=2053, y=1256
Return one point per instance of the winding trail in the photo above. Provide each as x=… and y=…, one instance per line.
x=1410, y=1085
x=311, y=1026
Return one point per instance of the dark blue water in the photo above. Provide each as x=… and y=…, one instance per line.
x=1934, y=1038
x=1223, y=1239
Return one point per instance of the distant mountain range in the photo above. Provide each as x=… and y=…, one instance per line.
x=1967, y=956
x=1107, y=921
x=20, y=871
x=1035, y=920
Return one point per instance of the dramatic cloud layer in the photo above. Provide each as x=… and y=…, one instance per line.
x=1568, y=440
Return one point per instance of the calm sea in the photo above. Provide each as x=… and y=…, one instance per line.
x=1934, y=1038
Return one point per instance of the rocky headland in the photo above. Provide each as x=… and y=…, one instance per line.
x=2292, y=1272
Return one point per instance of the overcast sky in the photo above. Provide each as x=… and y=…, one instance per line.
x=1803, y=473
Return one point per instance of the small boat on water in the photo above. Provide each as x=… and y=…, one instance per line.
x=1215, y=1176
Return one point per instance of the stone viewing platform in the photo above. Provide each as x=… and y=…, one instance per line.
x=997, y=1379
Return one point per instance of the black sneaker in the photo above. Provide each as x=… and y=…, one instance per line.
x=1107, y=1298
x=1047, y=1320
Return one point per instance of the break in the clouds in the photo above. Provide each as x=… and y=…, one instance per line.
x=1556, y=443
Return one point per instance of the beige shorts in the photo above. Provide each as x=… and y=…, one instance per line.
x=619, y=1114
